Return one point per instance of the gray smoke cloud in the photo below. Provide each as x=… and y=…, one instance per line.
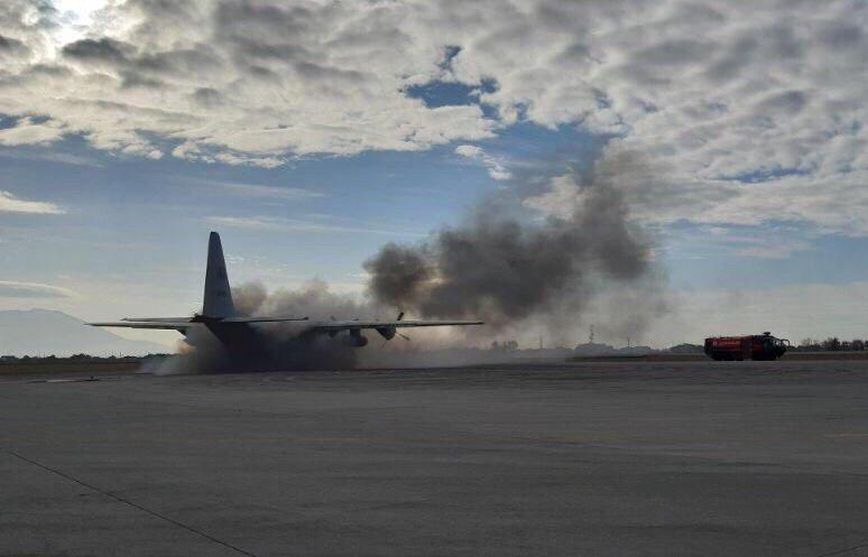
x=508, y=268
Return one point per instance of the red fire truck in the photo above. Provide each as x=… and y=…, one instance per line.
x=750, y=347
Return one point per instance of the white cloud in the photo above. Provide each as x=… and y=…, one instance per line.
x=191, y=151
x=716, y=93
x=25, y=132
x=11, y=204
x=495, y=167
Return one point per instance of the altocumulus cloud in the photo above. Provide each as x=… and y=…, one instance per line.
x=741, y=109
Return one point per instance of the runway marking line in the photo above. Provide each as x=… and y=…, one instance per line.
x=127, y=502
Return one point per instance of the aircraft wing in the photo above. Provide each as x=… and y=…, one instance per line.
x=184, y=323
x=261, y=319
x=176, y=325
x=335, y=326
x=158, y=319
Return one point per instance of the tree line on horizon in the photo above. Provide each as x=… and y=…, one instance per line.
x=831, y=344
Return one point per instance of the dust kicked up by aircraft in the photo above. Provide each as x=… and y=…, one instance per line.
x=246, y=339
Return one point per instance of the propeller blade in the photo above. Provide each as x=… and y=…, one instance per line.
x=403, y=336
x=400, y=316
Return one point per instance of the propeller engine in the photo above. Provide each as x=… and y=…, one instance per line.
x=389, y=333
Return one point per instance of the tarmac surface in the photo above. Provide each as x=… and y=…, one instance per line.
x=612, y=458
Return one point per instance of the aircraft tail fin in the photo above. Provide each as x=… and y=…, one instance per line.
x=218, y=296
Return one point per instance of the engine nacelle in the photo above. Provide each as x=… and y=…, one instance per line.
x=356, y=338
x=387, y=333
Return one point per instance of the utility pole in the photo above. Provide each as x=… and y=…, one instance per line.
x=591, y=336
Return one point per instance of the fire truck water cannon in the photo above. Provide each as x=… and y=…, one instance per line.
x=749, y=347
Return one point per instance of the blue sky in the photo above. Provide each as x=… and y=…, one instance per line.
x=382, y=123
x=314, y=217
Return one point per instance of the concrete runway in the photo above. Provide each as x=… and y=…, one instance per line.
x=691, y=458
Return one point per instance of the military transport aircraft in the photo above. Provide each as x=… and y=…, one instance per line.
x=235, y=331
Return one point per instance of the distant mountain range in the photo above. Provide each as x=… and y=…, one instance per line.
x=41, y=332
